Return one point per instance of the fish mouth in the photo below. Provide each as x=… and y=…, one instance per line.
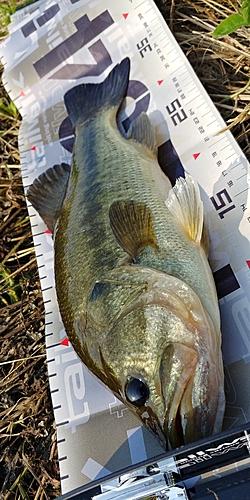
x=191, y=396
x=179, y=423
x=182, y=423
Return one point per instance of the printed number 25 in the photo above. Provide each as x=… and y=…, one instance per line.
x=176, y=112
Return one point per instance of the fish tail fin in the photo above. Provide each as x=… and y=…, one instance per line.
x=84, y=101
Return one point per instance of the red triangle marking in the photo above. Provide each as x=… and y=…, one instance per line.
x=22, y=94
x=159, y=82
x=33, y=148
x=125, y=15
x=195, y=155
x=65, y=341
x=48, y=231
x=248, y=263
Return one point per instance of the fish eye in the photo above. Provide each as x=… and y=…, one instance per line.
x=136, y=391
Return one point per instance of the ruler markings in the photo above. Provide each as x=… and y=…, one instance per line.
x=191, y=90
x=157, y=34
x=50, y=360
x=49, y=334
x=203, y=103
x=235, y=166
x=166, y=45
x=183, y=78
x=167, y=54
x=157, y=26
x=37, y=234
x=45, y=289
x=53, y=345
x=174, y=71
x=227, y=145
x=216, y=142
x=62, y=423
x=205, y=114
x=241, y=192
x=62, y=458
x=230, y=156
x=62, y=440
x=52, y=374
x=53, y=391
x=172, y=61
x=211, y=123
x=155, y=22
x=191, y=100
x=162, y=38
x=64, y=477
x=185, y=72
x=137, y=7
x=48, y=288
x=243, y=175
x=57, y=407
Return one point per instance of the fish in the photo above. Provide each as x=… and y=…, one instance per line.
x=134, y=286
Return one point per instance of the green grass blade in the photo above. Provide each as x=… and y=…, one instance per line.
x=245, y=11
x=229, y=25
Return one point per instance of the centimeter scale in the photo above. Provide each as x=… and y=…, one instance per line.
x=52, y=47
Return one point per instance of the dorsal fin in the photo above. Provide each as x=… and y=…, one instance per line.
x=132, y=225
x=142, y=131
x=184, y=202
x=47, y=193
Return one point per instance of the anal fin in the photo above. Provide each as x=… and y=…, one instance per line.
x=47, y=193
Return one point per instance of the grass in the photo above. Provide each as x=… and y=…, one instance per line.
x=28, y=454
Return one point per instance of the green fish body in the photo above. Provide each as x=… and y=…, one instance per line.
x=135, y=290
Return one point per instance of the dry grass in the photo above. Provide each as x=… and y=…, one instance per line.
x=28, y=453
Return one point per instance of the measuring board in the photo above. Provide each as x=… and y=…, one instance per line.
x=51, y=48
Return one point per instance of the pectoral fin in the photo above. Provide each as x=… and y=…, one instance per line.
x=132, y=225
x=47, y=193
x=184, y=202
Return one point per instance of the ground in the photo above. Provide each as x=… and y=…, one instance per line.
x=28, y=453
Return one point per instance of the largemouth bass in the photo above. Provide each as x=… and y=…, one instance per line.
x=134, y=287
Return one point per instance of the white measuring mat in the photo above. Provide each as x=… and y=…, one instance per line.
x=52, y=47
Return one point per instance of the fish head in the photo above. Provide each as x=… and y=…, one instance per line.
x=158, y=353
